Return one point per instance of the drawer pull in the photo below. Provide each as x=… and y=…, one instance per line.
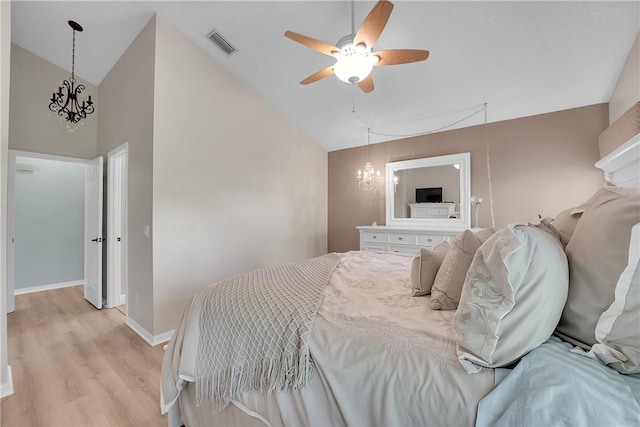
x=429, y=240
x=400, y=238
x=375, y=237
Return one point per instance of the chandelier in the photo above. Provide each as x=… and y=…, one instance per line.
x=66, y=101
x=368, y=179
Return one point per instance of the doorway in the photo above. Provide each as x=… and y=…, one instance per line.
x=54, y=206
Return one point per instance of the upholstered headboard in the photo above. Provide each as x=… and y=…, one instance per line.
x=622, y=166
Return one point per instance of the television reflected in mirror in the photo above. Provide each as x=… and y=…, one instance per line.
x=432, y=191
x=429, y=195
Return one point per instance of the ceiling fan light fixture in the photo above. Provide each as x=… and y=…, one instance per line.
x=354, y=64
x=354, y=54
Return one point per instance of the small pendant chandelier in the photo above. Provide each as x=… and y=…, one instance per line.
x=66, y=101
x=368, y=179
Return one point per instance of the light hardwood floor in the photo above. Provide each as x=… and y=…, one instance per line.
x=74, y=365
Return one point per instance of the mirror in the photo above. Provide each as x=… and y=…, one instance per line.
x=430, y=192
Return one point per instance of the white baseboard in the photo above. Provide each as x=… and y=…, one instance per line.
x=159, y=339
x=48, y=287
x=145, y=335
x=123, y=299
x=6, y=389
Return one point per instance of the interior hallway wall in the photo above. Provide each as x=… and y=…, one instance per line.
x=32, y=127
x=126, y=115
x=49, y=223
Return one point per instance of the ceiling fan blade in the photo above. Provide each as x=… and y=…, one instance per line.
x=400, y=56
x=314, y=44
x=317, y=76
x=372, y=26
x=367, y=84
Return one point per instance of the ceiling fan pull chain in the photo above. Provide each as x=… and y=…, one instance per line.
x=353, y=98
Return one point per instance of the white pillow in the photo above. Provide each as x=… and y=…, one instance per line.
x=618, y=329
x=512, y=298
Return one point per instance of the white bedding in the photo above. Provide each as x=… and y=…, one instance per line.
x=551, y=386
x=382, y=357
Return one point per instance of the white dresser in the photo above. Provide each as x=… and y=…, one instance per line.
x=403, y=239
x=432, y=210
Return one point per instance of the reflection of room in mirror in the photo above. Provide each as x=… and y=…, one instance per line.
x=446, y=177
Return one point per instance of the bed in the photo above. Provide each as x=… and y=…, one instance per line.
x=372, y=353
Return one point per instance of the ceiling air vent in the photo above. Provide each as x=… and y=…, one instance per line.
x=222, y=43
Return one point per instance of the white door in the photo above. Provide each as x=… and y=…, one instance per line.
x=93, y=233
x=117, y=226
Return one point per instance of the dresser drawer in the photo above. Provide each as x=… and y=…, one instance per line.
x=372, y=247
x=372, y=236
x=402, y=238
x=430, y=239
x=404, y=249
x=439, y=212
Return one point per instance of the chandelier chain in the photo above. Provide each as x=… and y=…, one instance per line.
x=73, y=57
x=368, y=177
x=368, y=141
x=486, y=143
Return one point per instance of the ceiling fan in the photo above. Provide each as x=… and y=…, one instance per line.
x=354, y=52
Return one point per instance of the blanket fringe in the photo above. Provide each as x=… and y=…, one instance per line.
x=270, y=376
x=255, y=330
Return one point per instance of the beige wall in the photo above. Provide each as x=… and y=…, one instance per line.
x=627, y=89
x=235, y=185
x=5, y=59
x=32, y=127
x=540, y=165
x=126, y=115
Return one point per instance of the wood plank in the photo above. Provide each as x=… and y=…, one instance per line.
x=75, y=365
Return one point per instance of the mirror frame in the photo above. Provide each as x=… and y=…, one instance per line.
x=464, y=160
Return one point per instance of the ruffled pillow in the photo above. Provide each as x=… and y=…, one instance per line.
x=512, y=298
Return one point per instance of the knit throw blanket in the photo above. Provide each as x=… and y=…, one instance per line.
x=255, y=329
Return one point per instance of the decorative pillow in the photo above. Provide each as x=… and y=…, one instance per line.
x=618, y=329
x=512, y=298
x=598, y=252
x=484, y=234
x=545, y=225
x=425, y=266
x=447, y=286
x=565, y=223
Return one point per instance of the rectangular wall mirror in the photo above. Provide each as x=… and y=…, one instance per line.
x=431, y=192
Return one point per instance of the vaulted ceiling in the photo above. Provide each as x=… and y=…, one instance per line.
x=521, y=58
